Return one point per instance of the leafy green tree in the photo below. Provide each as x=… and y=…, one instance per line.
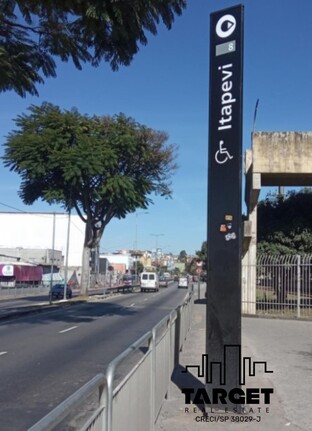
x=182, y=256
x=285, y=224
x=202, y=255
x=139, y=267
x=285, y=227
x=33, y=33
x=190, y=267
x=103, y=167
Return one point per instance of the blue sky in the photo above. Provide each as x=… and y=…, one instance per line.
x=166, y=88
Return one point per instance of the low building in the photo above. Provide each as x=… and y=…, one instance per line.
x=39, y=256
x=121, y=260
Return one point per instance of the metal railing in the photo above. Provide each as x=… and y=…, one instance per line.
x=23, y=289
x=63, y=410
x=283, y=285
x=133, y=402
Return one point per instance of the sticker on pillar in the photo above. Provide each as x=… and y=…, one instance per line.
x=223, y=228
x=230, y=236
x=228, y=217
x=229, y=226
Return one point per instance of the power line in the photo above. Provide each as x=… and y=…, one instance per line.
x=13, y=208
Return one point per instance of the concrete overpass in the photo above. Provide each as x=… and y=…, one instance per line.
x=275, y=159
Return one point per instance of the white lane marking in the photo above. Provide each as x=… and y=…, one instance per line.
x=3, y=353
x=132, y=305
x=68, y=329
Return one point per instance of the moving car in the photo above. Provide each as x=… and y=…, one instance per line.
x=57, y=292
x=163, y=281
x=149, y=281
x=128, y=280
x=183, y=282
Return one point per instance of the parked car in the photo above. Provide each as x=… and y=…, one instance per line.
x=183, y=282
x=57, y=292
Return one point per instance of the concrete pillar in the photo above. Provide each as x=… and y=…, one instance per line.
x=249, y=261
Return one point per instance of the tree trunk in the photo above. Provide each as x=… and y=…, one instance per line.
x=85, y=271
x=92, y=241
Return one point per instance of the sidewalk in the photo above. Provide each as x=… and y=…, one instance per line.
x=175, y=415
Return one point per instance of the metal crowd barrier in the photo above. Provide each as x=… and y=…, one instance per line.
x=134, y=403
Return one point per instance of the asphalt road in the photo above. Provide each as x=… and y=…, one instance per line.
x=45, y=357
x=16, y=303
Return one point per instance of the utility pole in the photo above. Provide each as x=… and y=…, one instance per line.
x=67, y=252
x=136, y=241
x=52, y=257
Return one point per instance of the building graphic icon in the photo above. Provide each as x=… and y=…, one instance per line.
x=209, y=370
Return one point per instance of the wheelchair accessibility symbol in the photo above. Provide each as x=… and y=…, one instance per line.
x=222, y=155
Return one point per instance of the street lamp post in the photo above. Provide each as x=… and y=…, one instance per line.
x=157, y=235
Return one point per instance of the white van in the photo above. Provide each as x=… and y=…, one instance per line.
x=149, y=281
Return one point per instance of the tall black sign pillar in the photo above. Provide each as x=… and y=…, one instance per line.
x=224, y=198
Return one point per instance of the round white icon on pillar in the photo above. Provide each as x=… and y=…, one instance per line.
x=226, y=26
